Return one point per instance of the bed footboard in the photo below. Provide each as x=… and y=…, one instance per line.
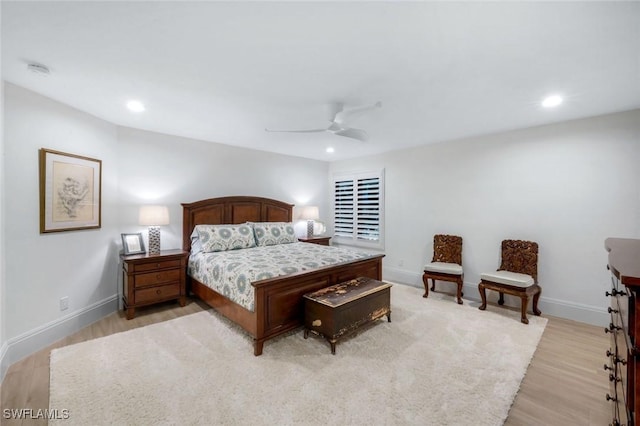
x=279, y=304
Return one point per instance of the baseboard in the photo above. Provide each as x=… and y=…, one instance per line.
x=555, y=307
x=32, y=341
x=3, y=366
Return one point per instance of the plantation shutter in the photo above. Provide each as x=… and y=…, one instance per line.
x=368, y=214
x=344, y=208
x=358, y=204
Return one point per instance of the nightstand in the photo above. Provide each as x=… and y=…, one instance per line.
x=323, y=241
x=149, y=279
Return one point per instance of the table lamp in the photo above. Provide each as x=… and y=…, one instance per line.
x=154, y=217
x=310, y=214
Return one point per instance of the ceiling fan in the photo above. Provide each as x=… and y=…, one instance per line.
x=336, y=125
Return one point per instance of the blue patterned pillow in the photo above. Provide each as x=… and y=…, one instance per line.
x=272, y=233
x=225, y=237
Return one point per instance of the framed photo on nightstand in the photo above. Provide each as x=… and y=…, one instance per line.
x=132, y=244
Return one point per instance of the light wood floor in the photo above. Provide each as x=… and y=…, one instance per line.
x=564, y=385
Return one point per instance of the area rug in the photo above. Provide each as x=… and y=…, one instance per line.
x=436, y=363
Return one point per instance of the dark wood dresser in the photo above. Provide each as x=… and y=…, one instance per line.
x=623, y=357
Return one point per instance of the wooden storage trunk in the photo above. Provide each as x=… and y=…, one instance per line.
x=340, y=309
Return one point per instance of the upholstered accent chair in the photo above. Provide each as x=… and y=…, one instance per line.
x=517, y=276
x=446, y=264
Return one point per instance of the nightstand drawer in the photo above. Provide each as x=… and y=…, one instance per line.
x=158, y=293
x=153, y=266
x=154, y=278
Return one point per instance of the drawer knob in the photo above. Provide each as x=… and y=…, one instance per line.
x=609, y=353
x=620, y=361
x=613, y=378
x=612, y=328
x=606, y=367
x=157, y=265
x=611, y=398
x=615, y=311
x=158, y=291
x=614, y=292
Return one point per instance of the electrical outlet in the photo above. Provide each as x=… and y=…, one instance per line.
x=64, y=303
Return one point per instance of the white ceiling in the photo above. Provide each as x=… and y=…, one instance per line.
x=223, y=71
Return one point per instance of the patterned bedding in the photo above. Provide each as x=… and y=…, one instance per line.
x=231, y=273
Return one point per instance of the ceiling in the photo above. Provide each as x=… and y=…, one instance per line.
x=225, y=71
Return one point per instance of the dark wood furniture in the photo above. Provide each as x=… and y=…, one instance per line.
x=336, y=311
x=149, y=279
x=623, y=357
x=323, y=241
x=519, y=257
x=278, y=301
x=447, y=249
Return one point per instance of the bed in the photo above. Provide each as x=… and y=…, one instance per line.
x=277, y=303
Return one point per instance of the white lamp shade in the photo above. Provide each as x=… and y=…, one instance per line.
x=310, y=213
x=154, y=215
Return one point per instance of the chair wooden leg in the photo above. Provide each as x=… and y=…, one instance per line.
x=425, y=280
x=536, y=296
x=433, y=286
x=483, y=296
x=523, y=309
x=459, y=294
x=501, y=299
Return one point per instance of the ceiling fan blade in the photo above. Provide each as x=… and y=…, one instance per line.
x=344, y=113
x=336, y=109
x=296, y=131
x=358, y=134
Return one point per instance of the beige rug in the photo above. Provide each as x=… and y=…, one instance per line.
x=436, y=363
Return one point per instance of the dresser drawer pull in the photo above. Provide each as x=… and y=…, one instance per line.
x=609, y=353
x=611, y=398
x=613, y=378
x=157, y=265
x=620, y=361
x=615, y=311
x=612, y=328
x=606, y=367
x=158, y=291
x=614, y=292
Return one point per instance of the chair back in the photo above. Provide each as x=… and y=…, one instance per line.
x=447, y=248
x=521, y=257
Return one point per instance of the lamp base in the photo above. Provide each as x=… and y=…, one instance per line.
x=154, y=240
x=310, y=225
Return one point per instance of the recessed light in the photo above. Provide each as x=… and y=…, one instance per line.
x=135, y=106
x=330, y=150
x=552, y=101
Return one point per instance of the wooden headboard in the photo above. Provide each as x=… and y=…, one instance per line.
x=237, y=209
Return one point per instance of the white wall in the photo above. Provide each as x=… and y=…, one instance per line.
x=42, y=268
x=567, y=186
x=3, y=339
x=139, y=167
x=161, y=169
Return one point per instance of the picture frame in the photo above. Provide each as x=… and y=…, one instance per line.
x=132, y=244
x=70, y=192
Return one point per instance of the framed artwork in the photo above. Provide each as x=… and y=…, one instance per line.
x=132, y=243
x=70, y=192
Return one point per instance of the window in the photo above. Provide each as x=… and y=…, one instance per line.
x=358, y=208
